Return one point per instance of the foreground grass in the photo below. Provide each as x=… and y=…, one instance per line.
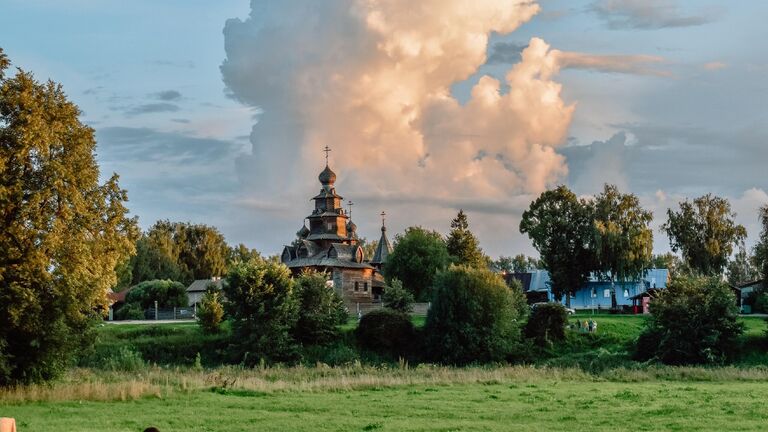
x=422, y=399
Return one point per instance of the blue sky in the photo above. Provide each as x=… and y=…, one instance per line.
x=686, y=116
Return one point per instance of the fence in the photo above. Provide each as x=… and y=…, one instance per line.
x=177, y=313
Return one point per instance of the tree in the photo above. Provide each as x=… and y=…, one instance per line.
x=386, y=332
x=369, y=247
x=668, y=261
x=546, y=324
x=203, y=252
x=705, y=233
x=241, y=253
x=623, y=237
x=62, y=233
x=263, y=310
x=166, y=293
x=742, y=268
x=475, y=317
x=321, y=310
x=417, y=256
x=694, y=320
x=211, y=312
x=397, y=298
x=761, y=248
x=560, y=227
x=152, y=262
x=462, y=244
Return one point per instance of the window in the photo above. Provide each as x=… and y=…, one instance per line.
x=606, y=293
x=330, y=227
x=357, y=286
x=365, y=286
x=626, y=292
x=594, y=293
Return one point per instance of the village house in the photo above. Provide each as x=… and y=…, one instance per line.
x=196, y=289
x=595, y=294
x=330, y=244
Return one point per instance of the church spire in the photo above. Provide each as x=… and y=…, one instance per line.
x=384, y=248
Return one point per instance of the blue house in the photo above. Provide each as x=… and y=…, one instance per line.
x=596, y=294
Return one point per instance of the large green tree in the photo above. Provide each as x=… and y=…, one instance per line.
x=182, y=252
x=462, y=244
x=623, y=238
x=705, y=233
x=741, y=268
x=62, y=233
x=761, y=248
x=560, y=227
x=417, y=256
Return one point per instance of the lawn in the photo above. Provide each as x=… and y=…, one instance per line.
x=516, y=403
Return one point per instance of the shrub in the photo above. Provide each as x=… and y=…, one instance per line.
x=547, y=324
x=474, y=318
x=321, y=310
x=210, y=312
x=417, y=256
x=263, y=310
x=166, y=293
x=693, y=321
x=386, y=332
x=124, y=360
x=130, y=311
x=397, y=298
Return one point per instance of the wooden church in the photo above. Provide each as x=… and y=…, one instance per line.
x=330, y=244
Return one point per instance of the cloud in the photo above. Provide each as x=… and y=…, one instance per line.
x=374, y=83
x=716, y=65
x=152, y=108
x=626, y=64
x=648, y=14
x=167, y=95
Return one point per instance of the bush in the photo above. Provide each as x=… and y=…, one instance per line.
x=547, y=324
x=386, y=332
x=474, y=318
x=124, y=360
x=211, y=312
x=166, y=293
x=397, y=298
x=263, y=310
x=321, y=310
x=130, y=311
x=417, y=256
x=693, y=321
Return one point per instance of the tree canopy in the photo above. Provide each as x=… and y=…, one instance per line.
x=417, y=256
x=62, y=233
x=705, y=233
x=761, y=248
x=560, y=227
x=462, y=244
x=623, y=239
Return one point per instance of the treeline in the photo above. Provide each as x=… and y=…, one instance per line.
x=180, y=252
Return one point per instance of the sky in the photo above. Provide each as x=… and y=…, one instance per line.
x=217, y=112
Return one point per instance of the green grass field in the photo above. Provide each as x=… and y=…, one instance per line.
x=586, y=383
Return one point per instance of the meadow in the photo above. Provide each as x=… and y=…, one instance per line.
x=587, y=383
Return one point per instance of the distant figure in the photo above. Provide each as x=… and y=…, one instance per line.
x=7, y=424
x=359, y=315
x=578, y=326
x=585, y=327
x=151, y=429
x=594, y=327
x=590, y=324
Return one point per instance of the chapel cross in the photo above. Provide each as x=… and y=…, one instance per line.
x=383, y=217
x=350, y=204
x=326, y=150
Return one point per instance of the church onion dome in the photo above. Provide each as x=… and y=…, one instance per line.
x=303, y=232
x=327, y=177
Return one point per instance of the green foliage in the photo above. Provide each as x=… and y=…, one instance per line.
x=546, y=324
x=417, y=256
x=623, y=237
x=474, y=318
x=705, y=233
x=241, y=253
x=386, y=332
x=124, y=360
x=166, y=293
x=670, y=262
x=211, y=312
x=321, y=310
x=61, y=232
x=761, y=248
x=263, y=310
x=130, y=311
x=560, y=227
x=462, y=244
x=182, y=252
x=741, y=268
x=695, y=320
x=397, y=298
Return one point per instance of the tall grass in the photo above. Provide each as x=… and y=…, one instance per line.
x=93, y=385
